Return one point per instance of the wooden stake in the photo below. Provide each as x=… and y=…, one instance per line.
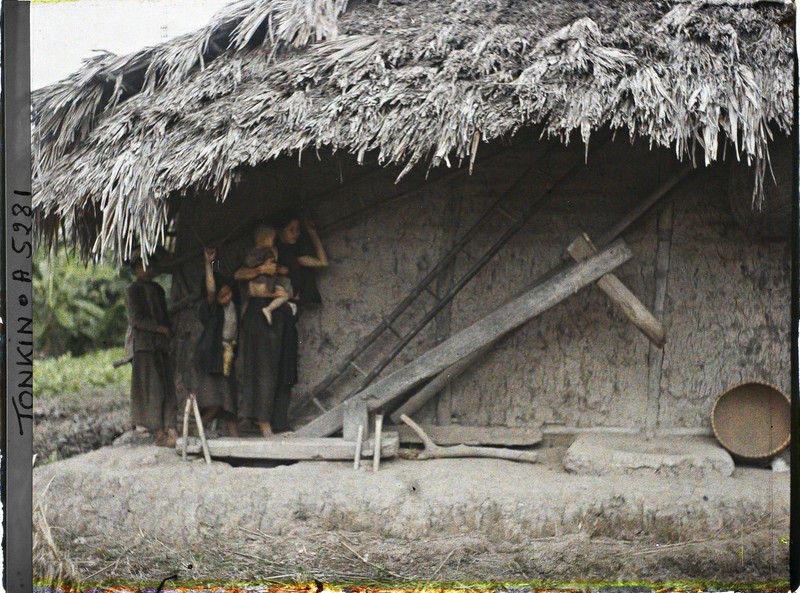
x=376, y=453
x=359, y=442
x=199, y=420
x=186, y=410
x=434, y=451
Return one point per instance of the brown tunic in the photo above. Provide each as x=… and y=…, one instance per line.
x=153, y=401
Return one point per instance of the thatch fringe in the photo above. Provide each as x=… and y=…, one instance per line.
x=409, y=80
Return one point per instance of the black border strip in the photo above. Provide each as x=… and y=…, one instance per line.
x=17, y=467
x=794, y=528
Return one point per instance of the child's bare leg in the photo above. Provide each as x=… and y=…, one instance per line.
x=280, y=298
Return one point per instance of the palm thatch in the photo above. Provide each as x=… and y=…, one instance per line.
x=411, y=80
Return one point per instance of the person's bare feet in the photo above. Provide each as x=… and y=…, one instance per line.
x=266, y=430
x=233, y=428
x=172, y=438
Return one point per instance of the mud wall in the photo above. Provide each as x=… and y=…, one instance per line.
x=581, y=364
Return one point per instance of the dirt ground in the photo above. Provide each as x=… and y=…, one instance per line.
x=71, y=424
x=140, y=512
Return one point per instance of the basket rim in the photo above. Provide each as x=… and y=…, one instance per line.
x=772, y=452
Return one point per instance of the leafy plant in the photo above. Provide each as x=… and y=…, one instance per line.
x=68, y=374
x=76, y=308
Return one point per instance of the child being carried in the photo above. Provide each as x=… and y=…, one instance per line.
x=278, y=287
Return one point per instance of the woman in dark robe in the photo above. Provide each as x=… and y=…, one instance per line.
x=262, y=361
x=153, y=401
x=298, y=258
x=214, y=355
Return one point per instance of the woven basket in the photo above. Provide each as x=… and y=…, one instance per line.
x=752, y=421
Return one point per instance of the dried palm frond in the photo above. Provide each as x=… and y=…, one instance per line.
x=410, y=80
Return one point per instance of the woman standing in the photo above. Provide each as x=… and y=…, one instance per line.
x=153, y=402
x=261, y=361
x=298, y=260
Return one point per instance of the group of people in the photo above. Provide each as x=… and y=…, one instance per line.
x=246, y=356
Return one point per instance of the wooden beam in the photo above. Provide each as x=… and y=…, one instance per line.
x=580, y=249
x=292, y=449
x=439, y=382
x=472, y=435
x=646, y=205
x=487, y=330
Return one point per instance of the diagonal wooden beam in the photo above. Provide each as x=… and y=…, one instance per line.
x=581, y=248
x=512, y=315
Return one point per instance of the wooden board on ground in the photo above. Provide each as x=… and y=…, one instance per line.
x=472, y=435
x=292, y=449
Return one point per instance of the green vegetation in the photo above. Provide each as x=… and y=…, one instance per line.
x=78, y=375
x=77, y=309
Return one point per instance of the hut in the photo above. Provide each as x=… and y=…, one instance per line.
x=465, y=144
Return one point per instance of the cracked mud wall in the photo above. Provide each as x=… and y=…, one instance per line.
x=579, y=364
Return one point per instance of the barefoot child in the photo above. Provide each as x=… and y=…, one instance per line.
x=218, y=312
x=278, y=287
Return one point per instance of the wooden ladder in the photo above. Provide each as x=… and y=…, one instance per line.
x=515, y=221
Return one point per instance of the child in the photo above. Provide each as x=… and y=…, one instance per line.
x=153, y=402
x=216, y=389
x=278, y=287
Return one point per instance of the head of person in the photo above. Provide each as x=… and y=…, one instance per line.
x=142, y=272
x=226, y=288
x=264, y=236
x=288, y=224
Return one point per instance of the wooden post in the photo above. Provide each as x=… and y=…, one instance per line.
x=487, y=330
x=199, y=420
x=655, y=358
x=359, y=442
x=186, y=410
x=376, y=449
x=580, y=249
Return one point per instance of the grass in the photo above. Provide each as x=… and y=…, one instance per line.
x=53, y=377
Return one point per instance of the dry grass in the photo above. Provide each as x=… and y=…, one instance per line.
x=404, y=80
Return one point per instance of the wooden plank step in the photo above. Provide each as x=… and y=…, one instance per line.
x=472, y=435
x=291, y=448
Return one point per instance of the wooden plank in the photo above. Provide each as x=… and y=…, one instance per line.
x=472, y=435
x=652, y=201
x=292, y=449
x=632, y=307
x=437, y=384
x=355, y=415
x=501, y=321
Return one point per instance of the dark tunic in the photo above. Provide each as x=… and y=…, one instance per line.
x=153, y=402
x=266, y=364
x=303, y=279
x=213, y=388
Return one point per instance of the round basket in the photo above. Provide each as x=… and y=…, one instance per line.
x=752, y=421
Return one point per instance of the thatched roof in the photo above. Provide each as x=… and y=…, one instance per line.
x=412, y=80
